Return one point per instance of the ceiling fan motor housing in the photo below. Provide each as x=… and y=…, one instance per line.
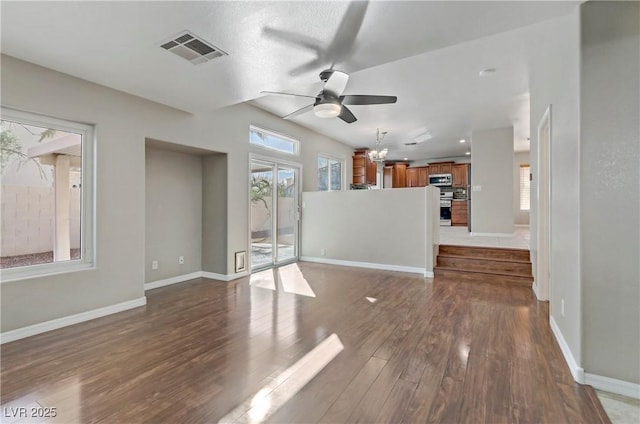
x=326, y=74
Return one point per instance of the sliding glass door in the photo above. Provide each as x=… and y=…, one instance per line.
x=274, y=189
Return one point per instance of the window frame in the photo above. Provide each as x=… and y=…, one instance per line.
x=88, y=203
x=295, y=142
x=521, y=183
x=331, y=158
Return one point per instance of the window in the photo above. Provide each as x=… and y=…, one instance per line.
x=525, y=187
x=47, y=195
x=273, y=141
x=329, y=174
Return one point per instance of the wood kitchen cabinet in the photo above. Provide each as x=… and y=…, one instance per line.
x=413, y=177
x=418, y=176
x=399, y=175
x=423, y=176
x=395, y=176
x=459, y=175
x=440, y=168
x=459, y=213
x=364, y=170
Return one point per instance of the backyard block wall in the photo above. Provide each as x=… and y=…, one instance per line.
x=28, y=219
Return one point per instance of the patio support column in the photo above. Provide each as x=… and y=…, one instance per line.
x=61, y=242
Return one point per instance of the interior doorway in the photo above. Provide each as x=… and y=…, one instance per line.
x=542, y=286
x=274, y=190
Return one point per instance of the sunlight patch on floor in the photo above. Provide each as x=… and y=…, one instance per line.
x=293, y=281
x=274, y=395
x=289, y=276
x=263, y=279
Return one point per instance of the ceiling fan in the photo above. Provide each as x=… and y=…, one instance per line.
x=330, y=102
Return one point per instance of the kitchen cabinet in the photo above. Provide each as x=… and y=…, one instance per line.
x=459, y=175
x=364, y=170
x=399, y=175
x=413, y=177
x=395, y=176
x=423, y=176
x=459, y=212
x=418, y=176
x=440, y=168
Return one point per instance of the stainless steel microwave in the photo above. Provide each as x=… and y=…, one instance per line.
x=443, y=180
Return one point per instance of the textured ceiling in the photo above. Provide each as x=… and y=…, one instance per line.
x=427, y=53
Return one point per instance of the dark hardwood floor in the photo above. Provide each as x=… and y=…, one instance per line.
x=418, y=350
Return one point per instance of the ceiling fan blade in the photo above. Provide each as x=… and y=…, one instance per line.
x=279, y=93
x=346, y=115
x=364, y=99
x=336, y=83
x=306, y=67
x=295, y=39
x=343, y=42
x=299, y=112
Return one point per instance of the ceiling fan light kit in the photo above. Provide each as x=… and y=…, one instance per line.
x=327, y=110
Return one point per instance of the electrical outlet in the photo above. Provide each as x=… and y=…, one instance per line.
x=562, y=307
x=181, y=260
x=154, y=264
x=323, y=252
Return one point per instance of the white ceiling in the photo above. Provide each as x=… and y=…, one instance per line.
x=426, y=53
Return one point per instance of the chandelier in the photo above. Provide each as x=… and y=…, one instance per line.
x=377, y=154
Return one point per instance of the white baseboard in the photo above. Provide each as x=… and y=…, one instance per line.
x=386, y=267
x=224, y=277
x=536, y=291
x=613, y=385
x=576, y=371
x=193, y=275
x=506, y=235
x=429, y=274
x=32, y=330
x=173, y=280
x=521, y=225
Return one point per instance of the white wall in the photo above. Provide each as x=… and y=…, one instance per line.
x=388, y=227
x=492, y=170
x=519, y=217
x=122, y=124
x=173, y=217
x=610, y=176
x=554, y=79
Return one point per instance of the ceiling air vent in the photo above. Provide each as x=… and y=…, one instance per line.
x=411, y=143
x=192, y=48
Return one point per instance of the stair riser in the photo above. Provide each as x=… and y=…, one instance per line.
x=486, y=265
x=483, y=278
x=483, y=252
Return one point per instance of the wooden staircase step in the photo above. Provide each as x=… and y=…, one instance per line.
x=485, y=252
x=484, y=277
x=489, y=265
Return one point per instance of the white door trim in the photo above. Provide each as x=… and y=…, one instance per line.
x=275, y=162
x=542, y=284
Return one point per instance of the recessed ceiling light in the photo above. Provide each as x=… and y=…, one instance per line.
x=463, y=140
x=468, y=153
x=406, y=159
x=487, y=71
